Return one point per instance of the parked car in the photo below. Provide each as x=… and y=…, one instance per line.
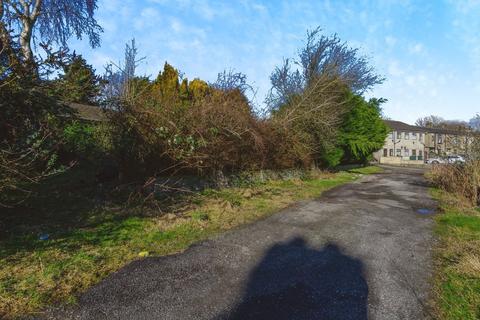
x=435, y=160
x=455, y=159
x=449, y=159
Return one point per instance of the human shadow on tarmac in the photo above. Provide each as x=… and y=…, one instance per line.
x=294, y=281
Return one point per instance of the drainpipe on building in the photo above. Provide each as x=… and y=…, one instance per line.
x=395, y=147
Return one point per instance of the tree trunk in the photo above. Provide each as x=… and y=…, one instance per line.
x=25, y=41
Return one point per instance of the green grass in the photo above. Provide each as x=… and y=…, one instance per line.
x=457, y=281
x=92, y=233
x=367, y=170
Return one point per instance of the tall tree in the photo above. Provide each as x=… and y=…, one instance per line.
x=308, y=99
x=47, y=22
x=119, y=81
x=322, y=57
x=168, y=82
x=78, y=83
x=363, y=131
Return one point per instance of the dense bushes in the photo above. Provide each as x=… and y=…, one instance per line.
x=461, y=180
x=316, y=116
x=30, y=134
x=189, y=126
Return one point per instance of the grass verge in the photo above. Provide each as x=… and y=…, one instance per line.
x=65, y=239
x=457, y=281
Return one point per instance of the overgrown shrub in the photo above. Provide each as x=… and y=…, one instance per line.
x=462, y=180
x=30, y=135
x=79, y=138
x=201, y=131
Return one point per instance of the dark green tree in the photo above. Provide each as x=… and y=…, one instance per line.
x=78, y=83
x=363, y=130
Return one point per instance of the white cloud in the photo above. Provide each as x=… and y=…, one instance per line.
x=416, y=48
x=466, y=25
x=394, y=69
x=176, y=25
x=390, y=41
x=148, y=17
x=205, y=10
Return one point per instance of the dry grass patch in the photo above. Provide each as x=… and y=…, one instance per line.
x=461, y=180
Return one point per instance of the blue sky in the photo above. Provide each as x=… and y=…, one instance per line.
x=429, y=51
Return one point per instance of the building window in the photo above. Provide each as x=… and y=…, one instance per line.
x=407, y=135
x=390, y=136
x=407, y=153
x=391, y=153
x=420, y=137
x=399, y=135
x=414, y=152
x=385, y=152
x=399, y=152
x=440, y=140
x=414, y=136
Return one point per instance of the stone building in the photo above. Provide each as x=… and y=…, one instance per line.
x=407, y=144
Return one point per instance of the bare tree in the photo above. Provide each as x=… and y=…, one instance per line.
x=231, y=80
x=331, y=56
x=286, y=83
x=431, y=121
x=475, y=122
x=322, y=56
x=119, y=78
x=47, y=21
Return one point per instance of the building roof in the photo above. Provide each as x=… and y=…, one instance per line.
x=443, y=131
x=402, y=126
x=88, y=112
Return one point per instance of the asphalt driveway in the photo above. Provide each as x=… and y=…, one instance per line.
x=361, y=251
